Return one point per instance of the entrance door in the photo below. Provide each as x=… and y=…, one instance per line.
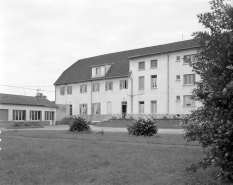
x=124, y=108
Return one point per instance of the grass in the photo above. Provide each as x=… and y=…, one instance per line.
x=164, y=124
x=62, y=157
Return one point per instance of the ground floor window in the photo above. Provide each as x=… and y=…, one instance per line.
x=153, y=107
x=96, y=108
x=83, y=109
x=49, y=115
x=19, y=115
x=188, y=101
x=35, y=115
x=141, y=107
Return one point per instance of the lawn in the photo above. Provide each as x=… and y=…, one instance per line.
x=61, y=157
x=164, y=124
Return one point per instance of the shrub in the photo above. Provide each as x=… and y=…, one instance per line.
x=79, y=124
x=143, y=127
x=26, y=124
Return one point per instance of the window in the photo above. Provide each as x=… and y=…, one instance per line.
x=177, y=77
x=141, y=65
x=153, y=81
x=35, y=115
x=96, y=108
x=19, y=115
x=178, y=58
x=49, y=115
x=69, y=90
x=189, y=79
x=62, y=90
x=153, y=107
x=71, y=110
x=83, y=88
x=98, y=71
x=188, y=101
x=141, y=82
x=141, y=107
x=108, y=86
x=153, y=63
x=96, y=87
x=83, y=109
x=189, y=58
x=123, y=84
x=109, y=107
x=177, y=98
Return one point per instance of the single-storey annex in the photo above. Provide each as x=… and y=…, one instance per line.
x=155, y=80
x=26, y=108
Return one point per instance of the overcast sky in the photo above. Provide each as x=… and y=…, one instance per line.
x=41, y=38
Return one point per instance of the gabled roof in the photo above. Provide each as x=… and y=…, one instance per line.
x=81, y=70
x=11, y=99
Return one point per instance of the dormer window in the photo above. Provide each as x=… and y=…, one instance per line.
x=98, y=71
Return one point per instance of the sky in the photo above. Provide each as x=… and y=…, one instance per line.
x=41, y=38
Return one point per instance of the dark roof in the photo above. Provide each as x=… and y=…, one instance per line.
x=81, y=70
x=11, y=99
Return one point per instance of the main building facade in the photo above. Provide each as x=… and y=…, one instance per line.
x=153, y=81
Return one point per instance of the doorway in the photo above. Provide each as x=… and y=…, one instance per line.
x=124, y=108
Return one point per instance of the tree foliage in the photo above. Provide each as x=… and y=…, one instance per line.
x=212, y=124
x=38, y=94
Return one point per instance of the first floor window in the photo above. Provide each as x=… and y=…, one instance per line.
x=177, y=98
x=141, y=82
x=49, y=115
x=141, y=107
x=71, y=110
x=141, y=65
x=153, y=63
x=69, y=90
x=189, y=79
x=177, y=58
x=19, y=115
x=189, y=58
x=108, y=86
x=96, y=87
x=153, y=81
x=123, y=84
x=96, y=108
x=188, y=101
x=83, y=109
x=35, y=115
x=177, y=77
x=153, y=107
x=62, y=90
x=83, y=88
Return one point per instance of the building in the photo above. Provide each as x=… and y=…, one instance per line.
x=155, y=80
x=26, y=108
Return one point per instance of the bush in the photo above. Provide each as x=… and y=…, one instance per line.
x=79, y=124
x=143, y=127
x=26, y=124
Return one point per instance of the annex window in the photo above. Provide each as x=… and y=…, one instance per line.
x=178, y=58
x=71, y=110
x=189, y=79
x=98, y=71
x=153, y=107
x=141, y=82
x=83, y=109
x=35, y=115
x=189, y=58
x=108, y=86
x=69, y=90
x=123, y=84
x=96, y=108
x=62, y=90
x=19, y=115
x=96, y=87
x=141, y=107
x=49, y=115
x=188, y=101
x=153, y=81
x=177, y=77
x=177, y=98
x=83, y=88
x=153, y=64
x=141, y=65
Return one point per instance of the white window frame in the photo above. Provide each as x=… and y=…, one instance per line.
x=153, y=107
x=83, y=88
x=156, y=66
x=187, y=100
x=141, y=82
x=19, y=115
x=98, y=71
x=189, y=79
x=154, y=82
x=123, y=84
x=83, y=109
x=177, y=58
x=35, y=115
x=69, y=89
x=177, y=98
x=96, y=108
x=178, y=77
x=189, y=58
x=141, y=107
x=108, y=86
x=141, y=65
x=49, y=115
x=95, y=87
x=62, y=91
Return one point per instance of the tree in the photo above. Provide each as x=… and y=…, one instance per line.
x=38, y=94
x=212, y=124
